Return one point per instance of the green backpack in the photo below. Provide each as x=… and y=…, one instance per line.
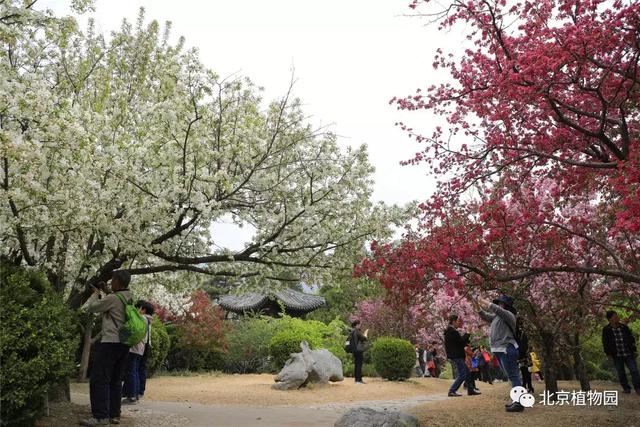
x=134, y=328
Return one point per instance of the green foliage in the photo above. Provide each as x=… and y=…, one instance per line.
x=192, y=358
x=600, y=371
x=319, y=335
x=37, y=342
x=248, y=345
x=342, y=297
x=286, y=342
x=394, y=358
x=368, y=370
x=258, y=344
x=160, y=345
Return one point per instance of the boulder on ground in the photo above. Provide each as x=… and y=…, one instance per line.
x=309, y=366
x=367, y=417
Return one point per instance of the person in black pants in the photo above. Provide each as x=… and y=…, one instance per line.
x=620, y=345
x=454, y=345
x=358, y=340
x=526, y=374
x=105, y=385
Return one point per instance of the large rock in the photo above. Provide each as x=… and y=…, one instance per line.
x=367, y=417
x=327, y=367
x=309, y=366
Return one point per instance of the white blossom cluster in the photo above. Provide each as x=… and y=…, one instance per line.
x=128, y=149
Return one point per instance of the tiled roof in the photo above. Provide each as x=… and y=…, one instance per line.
x=291, y=299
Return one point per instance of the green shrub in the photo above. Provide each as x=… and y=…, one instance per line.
x=182, y=356
x=595, y=372
x=393, y=358
x=368, y=370
x=248, y=345
x=286, y=342
x=37, y=343
x=160, y=345
x=317, y=334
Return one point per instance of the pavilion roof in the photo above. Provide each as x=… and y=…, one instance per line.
x=253, y=301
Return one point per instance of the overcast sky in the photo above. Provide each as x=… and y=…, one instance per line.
x=350, y=58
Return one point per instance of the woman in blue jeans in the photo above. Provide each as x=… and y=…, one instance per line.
x=454, y=345
x=503, y=341
x=131, y=388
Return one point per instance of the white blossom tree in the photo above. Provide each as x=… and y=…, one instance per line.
x=121, y=153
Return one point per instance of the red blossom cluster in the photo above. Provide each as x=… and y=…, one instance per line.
x=201, y=325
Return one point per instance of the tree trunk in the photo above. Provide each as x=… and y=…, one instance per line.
x=86, y=349
x=550, y=363
x=579, y=367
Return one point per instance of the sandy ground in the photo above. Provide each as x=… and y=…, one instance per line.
x=248, y=400
x=256, y=390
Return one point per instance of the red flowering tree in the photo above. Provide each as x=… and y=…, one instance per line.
x=547, y=93
x=197, y=333
x=540, y=169
x=422, y=319
x=202, y=326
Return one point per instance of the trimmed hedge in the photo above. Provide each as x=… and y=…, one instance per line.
x=287, y=342
x=393, y=358
x=38, y=340
x=160, y=345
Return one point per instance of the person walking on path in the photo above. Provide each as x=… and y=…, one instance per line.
x=358, y=340
x=503, y=339
x=620, y=345
x=454, y=345
x=105, y=384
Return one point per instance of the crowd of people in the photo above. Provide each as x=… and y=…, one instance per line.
x=508, y=357
x=509, y=354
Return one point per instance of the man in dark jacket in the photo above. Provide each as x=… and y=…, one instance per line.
x=358, y=339
x=454, y=345
x=620, y=345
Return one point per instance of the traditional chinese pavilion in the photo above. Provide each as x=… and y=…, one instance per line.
x=294, y=303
